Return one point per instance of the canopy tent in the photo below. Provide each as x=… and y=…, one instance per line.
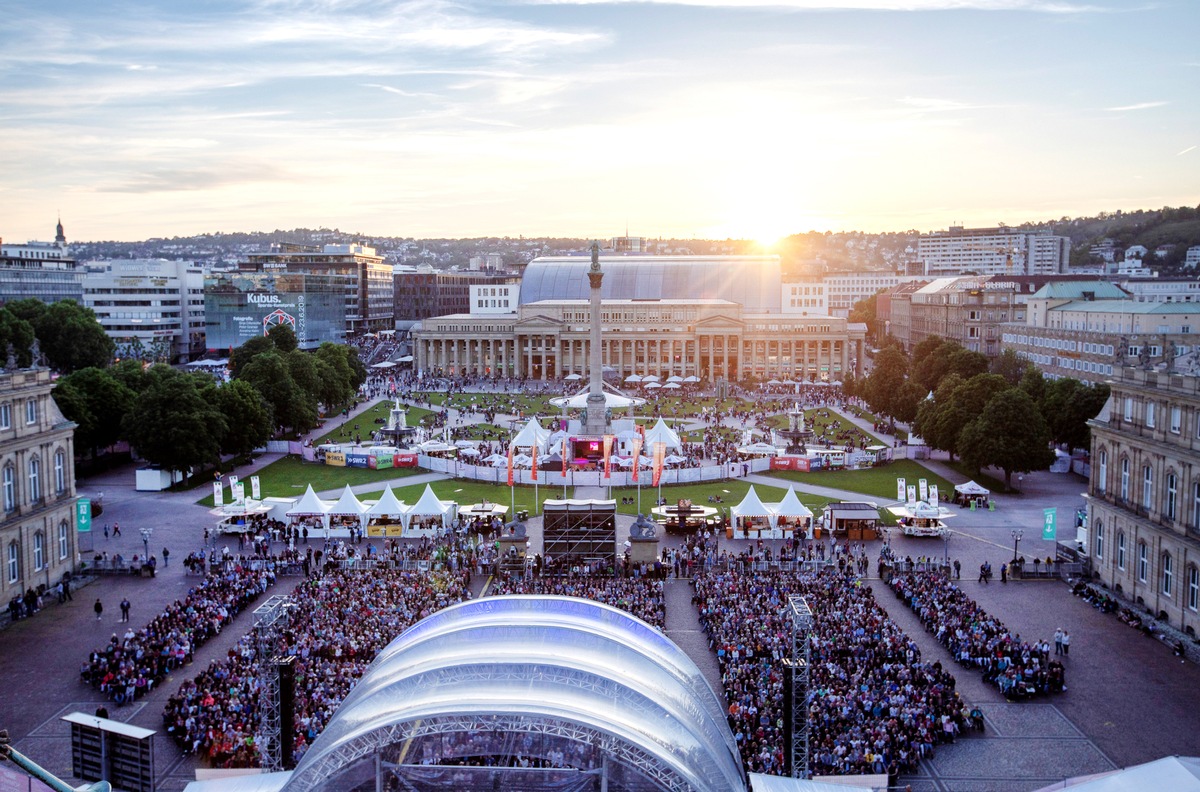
x=633, y=378
x=651, y=384
x=672, y=386
x=347, y=506
x=691, y=378
x=613, y=401
x=468, y=452
x=674, y=459
x=309, y=505
x=752, y=506
x=674, y=378
x=971, y=488
x=1176, y=773
x=387, y=364
x=532, y=434
x=759, y=448
x=387, y=505
x=661, y=433
x=435, y=447
x=790, y=514
x=573, y=377
x=791, y=506
x=429, y=506
x=522, y=460
x=466, y=443
x=496, y=460
x=651, y=378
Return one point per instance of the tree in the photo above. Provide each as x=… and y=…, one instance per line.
x=936, y=358
x=335, y=377
x=965, y=403
x=290, y=406
x=68, y=333
x=907, y=402
x=131, y=373
x=248, y=419
x=172, y=424
x=1009, y=434
x=1067, y=406
x=98, y=402
x=283, y=337
x=866, y=312
x=1034, y=384
x=891, y=369
x=1010, y=365
x=247, y=352
x=16, y=333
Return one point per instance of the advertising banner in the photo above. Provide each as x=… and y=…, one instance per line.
x=1050, y=524
x=512, y=449
x=255, y=490
x=565, y=455
x=933, y=494
x=238, y=491
x=660, y=453
x=335, y=458
x=356, y=460
x=534, y=476
x=608, y=444
x=923, y=489
x=900, y=490
x=791, y=463
x=912, y=493
x=405, y=460
x=381, y=461
x=637, y=455
x=218, y=493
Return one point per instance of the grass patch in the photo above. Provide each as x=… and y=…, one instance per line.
x=466, y=492
x=288, y=477
x=731, y=493
x=366, y=422
x=879, y=482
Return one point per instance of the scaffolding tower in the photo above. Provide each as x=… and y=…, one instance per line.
x=796, y=682
x=273, y=617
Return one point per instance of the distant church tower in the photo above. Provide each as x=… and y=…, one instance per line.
x=60, y=236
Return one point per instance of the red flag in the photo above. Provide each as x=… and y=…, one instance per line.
x=660, y=452
x=534, y=474
x=511, y=450
x=637, y=453
x=564, y=455
x=608, y=442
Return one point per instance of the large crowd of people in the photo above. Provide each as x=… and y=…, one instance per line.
x=641, y=596
x=978, y=640
x=132, y=663
x=875, y=706
x=341, y=620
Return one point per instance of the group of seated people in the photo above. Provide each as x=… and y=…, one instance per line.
x=1021, y=670
x=339, y=623
x=130, y=665
x=875, y=706
x=641, y=596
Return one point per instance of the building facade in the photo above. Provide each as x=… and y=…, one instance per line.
x=37, y=485
x=992, y=251
x=239, y=306
x=369, y=296
x=43, y=270
x=152, y=303
x=1144, y=493
x=425, y=292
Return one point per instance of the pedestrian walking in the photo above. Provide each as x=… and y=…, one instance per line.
x=116, y=530
x=67, y=590
x=105, y=530
x=1058, y=641
x=125, y=609
x=1004, y=573
x=166, y=558
x=1066, y=642
x=98, y=608
x=958, y=569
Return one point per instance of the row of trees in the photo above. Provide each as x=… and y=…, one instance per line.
x=1000, y=413
x=67, y=334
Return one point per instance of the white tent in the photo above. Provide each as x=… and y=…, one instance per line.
x=435, y=446
x=387, y=505
x=692, y=378
x=612, y=400
x=651, y=385
x=348, y=506
x=532, y=434
x=573, y=377
x=759, y=448
x=309, y=506
x=496, y=460
x=971, y=488
x=674, y=459
x=650, y=378
x=672, y=386
x=661, y=433
x=522, y=460
x=674, y=378
x=633, y=378
x=791, y=506
x=1176, y=773
x=752, y=506
x=429, y=506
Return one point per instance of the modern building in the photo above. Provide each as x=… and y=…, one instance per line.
x=1162, y=289
x=680, y=331
x=1144, y=493
x=1191, y=259
x=241, y=305
x=369, y=296
x=992, y=251
x=424, y=292
x=154, y=304
x=494, y=299
x=44, y=270
x=37, y=485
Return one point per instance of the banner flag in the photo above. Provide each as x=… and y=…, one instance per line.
x=255, y=492
x=912, y=493
x=637, y=454
x=660, y=452
x=564, y=455
x=83, y=515
x=233, y=480
x=900, y=490
x=534, y=473
x=608, y=444
x=511, y=450
x=1050, y=524
x=238, y=492
x=923, y=489
x=218, y=494
x=933, y=494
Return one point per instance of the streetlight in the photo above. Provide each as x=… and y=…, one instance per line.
x=946, y=548
x=1016, y=535
x=146, y=534
x=1020, y=482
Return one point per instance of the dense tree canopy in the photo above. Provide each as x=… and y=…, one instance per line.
x=247, y=416
x=16, y=335
x=97, y=401
x=67, y=333
x=1068, y=405
x=1010, y=434
x=174, y=422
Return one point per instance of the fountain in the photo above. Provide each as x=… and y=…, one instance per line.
x=797, y=435
x=396, y=432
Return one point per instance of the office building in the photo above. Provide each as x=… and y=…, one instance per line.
x=421, y=293
x=992, y=251
x=239, y=306
x=43, y=270
x=152, y=305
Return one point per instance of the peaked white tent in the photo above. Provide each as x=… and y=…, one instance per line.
x=532, y=434
x=348, y=506
x=1176, y=773
x=310, y=506
x=751, y=507
x=661, y=433
x=792, y=510
x=429, y=506
x=387, y=505
x=971, y=488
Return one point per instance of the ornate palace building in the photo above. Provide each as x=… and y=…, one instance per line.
x=1144, y=492
x=708, y=317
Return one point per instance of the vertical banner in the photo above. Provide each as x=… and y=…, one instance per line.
x=218, y=494
x=233, y=482
x=923, y=489
x=912, y=493
x=564, y=455
x=608, y=444
x=83, y=515
x=533, y=475
x=255, y=492
x=637, y=455
x=900, y=490
x=933, y=494
x=511, y=450
x=1050, y=524
x=238, y=491
x=660, y=453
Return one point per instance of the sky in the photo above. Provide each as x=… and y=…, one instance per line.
x=587, y=118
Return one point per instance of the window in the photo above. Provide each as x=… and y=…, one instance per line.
x=1128, y=408
x=1193, y=577
x=1125, y=479
x=14, y=562
x=1172, y=493
x=5, y=416
x=1120, y=549
x=1176, y=419
x=1147, y=486
x=1143, y=564
x=1099, y=539
x=1168, y=573
x=1150, y=414
x=39, y=551
x=60, y=472
x=63, y=540
x=10, y=488
x=35, y=479
x=1102, y=479
x=31, y=411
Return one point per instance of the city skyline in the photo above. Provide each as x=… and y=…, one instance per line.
x=698, y=118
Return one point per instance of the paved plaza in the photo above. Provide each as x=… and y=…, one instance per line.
x=1129, y=699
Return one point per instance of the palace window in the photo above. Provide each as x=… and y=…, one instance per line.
x=1143, y=562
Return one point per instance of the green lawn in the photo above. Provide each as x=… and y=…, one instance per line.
x=879, y=482
x=366, y=422
x=731, y=493
x=288, y=477
x=466, y=492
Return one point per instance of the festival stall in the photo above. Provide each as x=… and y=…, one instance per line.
x=921, y=518
x=385, y=517
x=750, y=518
x=661, y=433
x=310, y=512
x=791, y=516
x=429, y=516
x=347, y=513
x=972, y=494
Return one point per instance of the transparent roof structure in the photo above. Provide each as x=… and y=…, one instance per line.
x=576, y=683
x=755, y=282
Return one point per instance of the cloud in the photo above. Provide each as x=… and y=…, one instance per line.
x=192, y=179
x=1138, y=106
x=1042, y=6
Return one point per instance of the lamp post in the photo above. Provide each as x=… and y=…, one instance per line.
x=1016, y=535
x=946, y=548
x=1020, y=482
x=146, y=534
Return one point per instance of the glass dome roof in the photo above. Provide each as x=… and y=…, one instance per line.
x=578, y=670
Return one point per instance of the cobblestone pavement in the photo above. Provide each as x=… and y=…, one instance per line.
x=1129, y=700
